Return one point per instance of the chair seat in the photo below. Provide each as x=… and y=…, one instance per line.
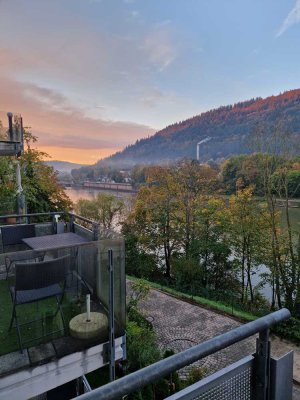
x=28, y=296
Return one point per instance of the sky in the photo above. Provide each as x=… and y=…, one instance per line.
x=92, y=76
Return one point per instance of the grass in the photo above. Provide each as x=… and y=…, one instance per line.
x=294, y=216
x=29, y=312
x=211, y=304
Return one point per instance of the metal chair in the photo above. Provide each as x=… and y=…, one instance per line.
x=12, y=236
x=27, y=256
x=38, y=281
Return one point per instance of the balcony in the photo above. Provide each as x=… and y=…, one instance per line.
x=49, y=355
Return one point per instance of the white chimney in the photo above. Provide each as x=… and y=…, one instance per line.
x=198, y=146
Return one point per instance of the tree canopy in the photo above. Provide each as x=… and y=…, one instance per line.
x=39, y=181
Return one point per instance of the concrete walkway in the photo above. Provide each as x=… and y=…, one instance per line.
x=180, y=325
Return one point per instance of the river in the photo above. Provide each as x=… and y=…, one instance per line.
x=76, y=193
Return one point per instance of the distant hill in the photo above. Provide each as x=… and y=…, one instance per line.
x=228, y=126
x=63, y=166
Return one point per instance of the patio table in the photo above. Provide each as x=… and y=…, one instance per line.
x=52, y=242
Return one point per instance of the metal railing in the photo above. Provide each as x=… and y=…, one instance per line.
x=260, y=384
x=73, y=219
x=29, y=216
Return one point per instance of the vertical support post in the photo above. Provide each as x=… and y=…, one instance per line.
x=111, y=318
x=54, y=225
x=21, y=138
x=20, y=196
x=95, y=232
x=124, y=347
x=262, y=366
x=71, y=223
x=10, y=126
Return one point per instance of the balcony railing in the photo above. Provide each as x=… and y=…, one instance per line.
x=257, y=376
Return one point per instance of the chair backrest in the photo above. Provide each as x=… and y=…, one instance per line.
x=27, y=255
x=15, y=233
x=37, y=275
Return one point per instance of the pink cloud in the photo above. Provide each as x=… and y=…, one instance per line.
x=54, y=119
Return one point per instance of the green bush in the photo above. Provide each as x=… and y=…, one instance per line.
x=195, y=375
x=289, y=329
x=187, y=275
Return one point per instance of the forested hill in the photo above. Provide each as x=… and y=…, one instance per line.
x=63, y=166
x=228, y=126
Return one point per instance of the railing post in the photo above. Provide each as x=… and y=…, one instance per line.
x=262, y=366
x=54, y=224
x=71, y=223
x=95, y=232
x=111, y=321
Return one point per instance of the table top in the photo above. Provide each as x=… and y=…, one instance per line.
x=50, y=242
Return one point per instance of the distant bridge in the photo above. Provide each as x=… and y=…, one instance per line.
x=119, y=187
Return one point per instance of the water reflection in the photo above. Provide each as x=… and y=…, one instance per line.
x=75, y=193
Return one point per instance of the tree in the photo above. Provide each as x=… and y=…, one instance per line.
x=155, y=214
x=248, y=231
x=105, y=209
x=7, y=186
x=137, y=260
x=39, y=181
x=213, y=244
x=168, y=218
x=284, y=263
x=194, y=184
x=231, y=172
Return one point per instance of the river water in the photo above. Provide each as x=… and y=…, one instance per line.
x=76, y=193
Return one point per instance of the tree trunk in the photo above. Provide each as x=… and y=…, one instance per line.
x=249, y=270
x=167, y=260
x=243, y=270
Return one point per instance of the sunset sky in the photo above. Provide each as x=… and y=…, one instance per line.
x=92, y=76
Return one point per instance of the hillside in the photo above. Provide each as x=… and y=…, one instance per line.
x=229, y=127
x=63, y=166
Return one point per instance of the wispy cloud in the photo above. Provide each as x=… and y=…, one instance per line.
x=151, y=97
x=59, y=123
x=292, y=18
x=159, y=48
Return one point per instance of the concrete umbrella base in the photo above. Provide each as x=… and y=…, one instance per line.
x=80, y=328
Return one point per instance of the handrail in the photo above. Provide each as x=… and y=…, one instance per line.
x=83, y=218
x=147, y=375
x=31, y=215
x=49, y=213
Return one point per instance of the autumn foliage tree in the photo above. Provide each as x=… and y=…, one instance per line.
x=105, y=209
x=166, y=218
x=42, y=191
x=248, y=234
x=155, y=215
